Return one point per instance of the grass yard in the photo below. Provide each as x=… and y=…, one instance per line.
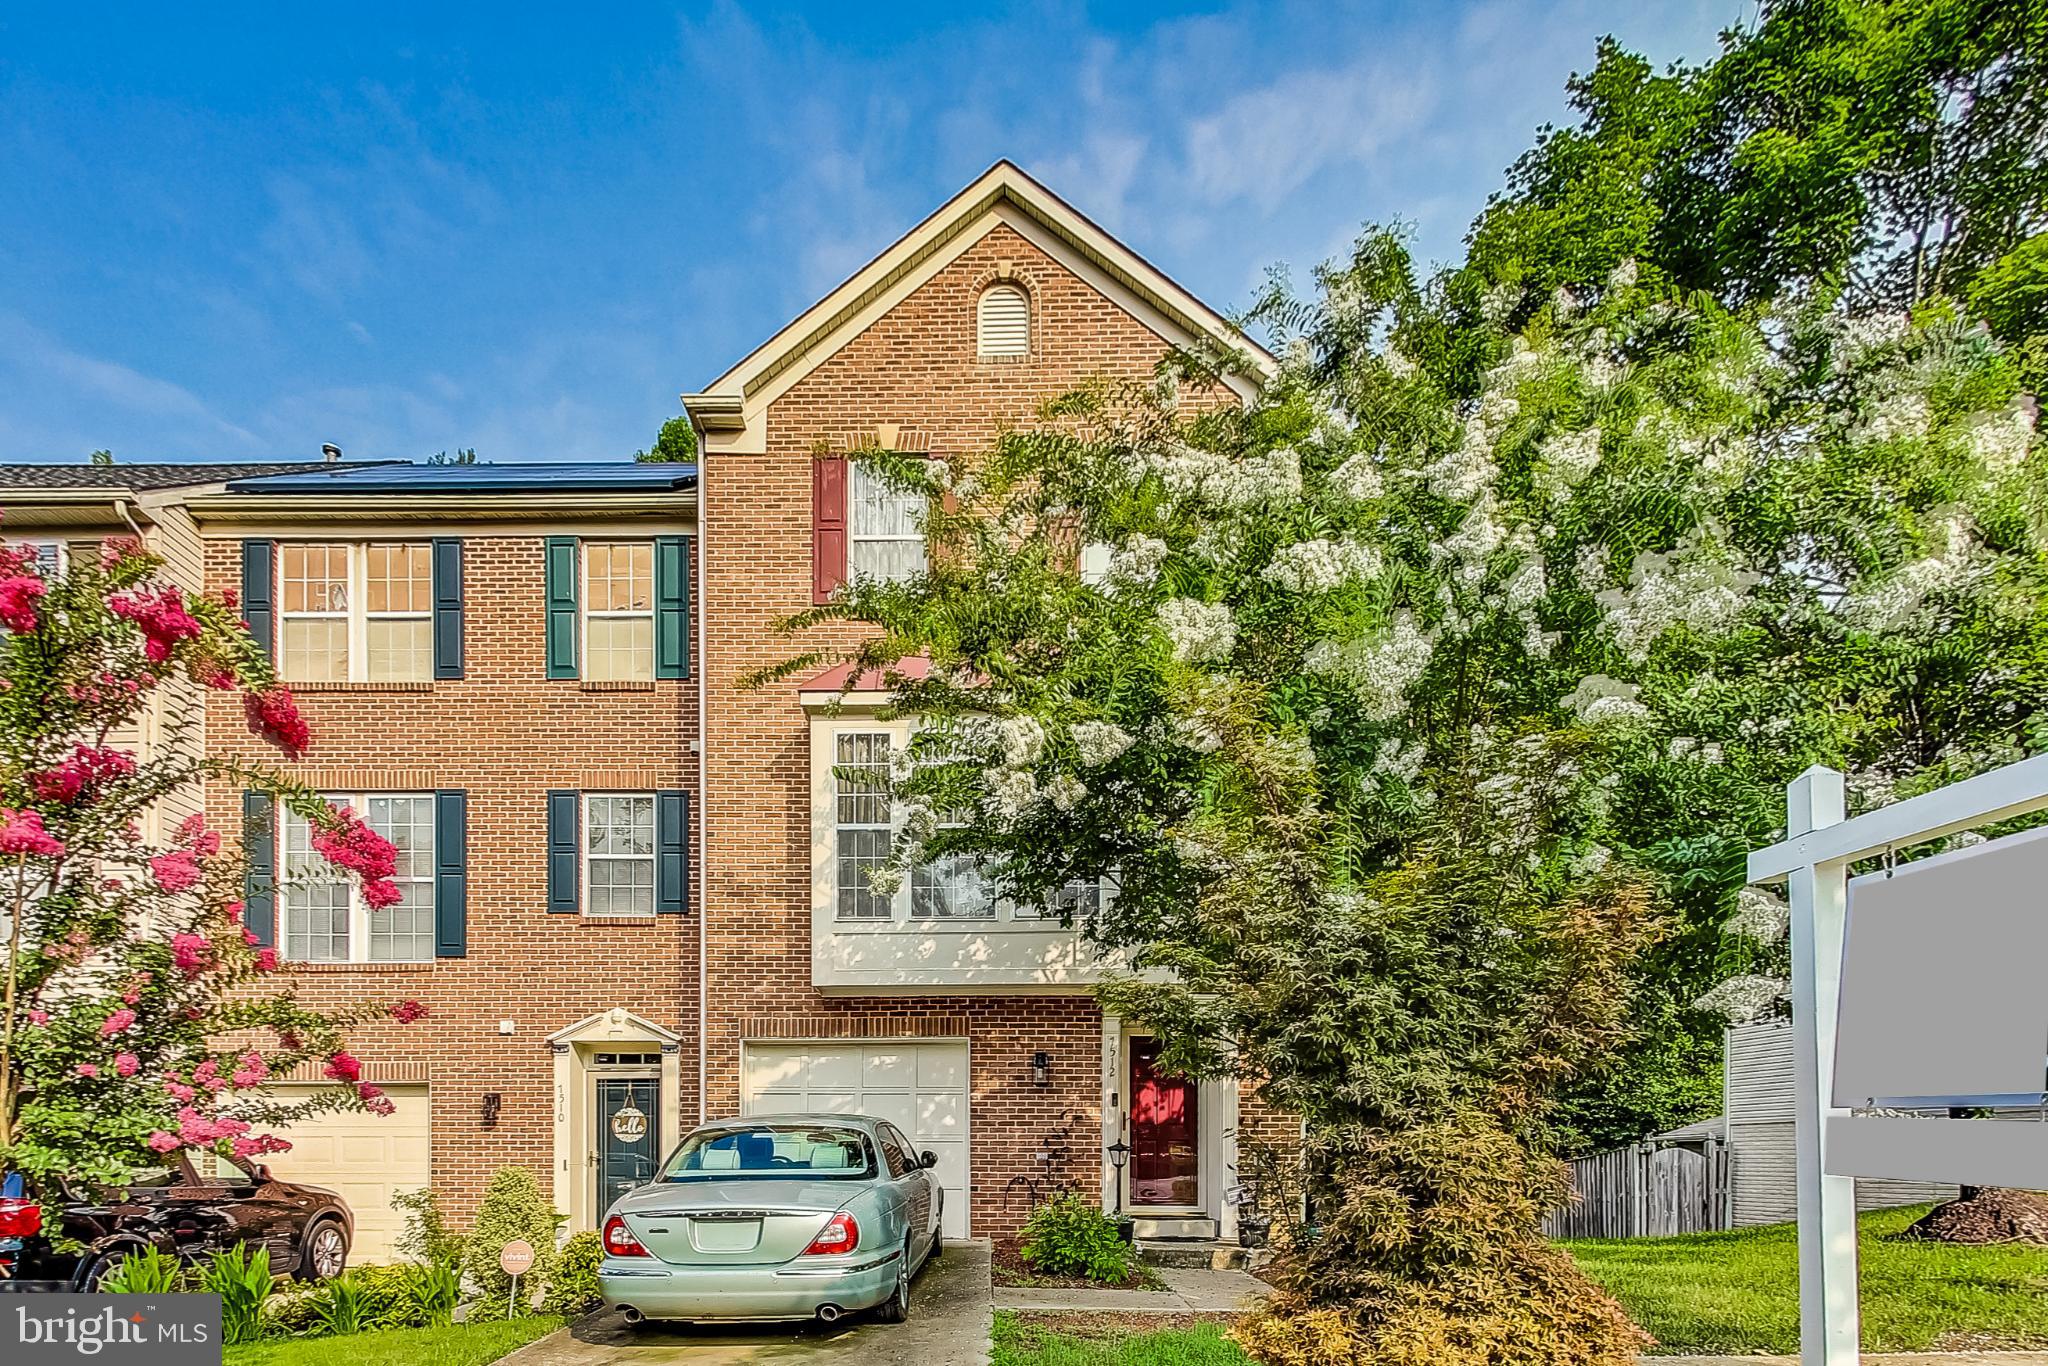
x=459, y=1345
x=1739, y=1292
x=1023, y=1344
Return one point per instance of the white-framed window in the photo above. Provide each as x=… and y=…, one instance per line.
x=862, y=820
x=618, y=853
x=326, y=920
x=51, y=556
x=1080, y=898
x=884, y=538
x=618, y=610
x=1002, y=322
x=950, y=888
x=356, y=612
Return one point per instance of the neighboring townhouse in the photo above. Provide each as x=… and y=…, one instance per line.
x=497, y=664
x=71, y=510
x=965, y=1020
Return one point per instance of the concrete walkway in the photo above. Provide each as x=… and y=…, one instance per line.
x=1187, y=1292
x=949, y=1326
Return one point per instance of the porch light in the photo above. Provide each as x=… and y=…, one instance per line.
x=1041, y=1069
x=1119, y=1153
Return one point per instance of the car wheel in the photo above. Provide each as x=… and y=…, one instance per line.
x=325, y=1254
x=896, y=1308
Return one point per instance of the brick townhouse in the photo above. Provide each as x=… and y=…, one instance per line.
x=497, y=665
x=618, y=929
x=967, y=1021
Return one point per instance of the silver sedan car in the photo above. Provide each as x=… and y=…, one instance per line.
x=776, y=1217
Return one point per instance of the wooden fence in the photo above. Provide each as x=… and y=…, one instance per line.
x=1646, y=1191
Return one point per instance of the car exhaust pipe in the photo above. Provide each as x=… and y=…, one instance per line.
x=830, y=1313
x=632, y=1315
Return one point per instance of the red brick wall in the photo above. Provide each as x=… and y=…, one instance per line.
x=916, y=367
x=505, y=734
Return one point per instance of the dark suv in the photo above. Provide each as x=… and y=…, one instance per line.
x=187, y=1209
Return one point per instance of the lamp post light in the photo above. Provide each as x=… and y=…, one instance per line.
x=1119, y=1153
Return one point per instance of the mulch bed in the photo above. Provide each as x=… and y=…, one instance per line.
x=1994, y=1215
x=1013, y=1271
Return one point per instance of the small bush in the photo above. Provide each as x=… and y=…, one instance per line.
x=513, y=1207
x=340, y=1307
x=427, y=1237
x=572, y=1290
x=148, y=1272
x=1067, y=1236
x=243, y=1281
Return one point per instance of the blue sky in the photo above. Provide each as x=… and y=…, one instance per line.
x=526, y=228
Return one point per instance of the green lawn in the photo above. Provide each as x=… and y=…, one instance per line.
x=1202, y=1345
x=460, y=1345
x=1739, y=1292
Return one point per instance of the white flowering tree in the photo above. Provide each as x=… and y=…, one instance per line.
x=1408, y=721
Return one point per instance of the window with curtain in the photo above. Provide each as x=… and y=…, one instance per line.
x=884, y=538
x=361, y=613
x=618, y=610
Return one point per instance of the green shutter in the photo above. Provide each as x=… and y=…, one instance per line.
x=563, y=855
x=259, y=882
x=451, y=874
x=561, y=555
x=671, y=607
x=672, y=852
x=259, y=563
x=447, y=608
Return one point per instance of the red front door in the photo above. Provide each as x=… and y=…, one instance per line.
x=1165, y=1168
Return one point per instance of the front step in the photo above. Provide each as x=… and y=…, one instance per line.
x=1194, y=1254
x=1183, y=1227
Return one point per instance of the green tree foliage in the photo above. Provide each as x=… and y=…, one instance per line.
x=1889, y=148
x=465, y=456
x=676, y=443
x=513, y=1208
x=1407, y=720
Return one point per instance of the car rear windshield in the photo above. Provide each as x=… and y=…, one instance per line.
x=812, y=1151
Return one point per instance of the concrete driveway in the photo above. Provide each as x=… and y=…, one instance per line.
x=949, y=1326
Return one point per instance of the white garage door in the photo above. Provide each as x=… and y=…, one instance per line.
x=367, y=1160
x=921, y=1088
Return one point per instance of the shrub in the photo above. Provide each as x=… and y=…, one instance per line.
x=572, y=1290
x=148, y=1272
x=242, y=1280
x=513, y=1207
x=340, y=1307
x=1067, y=1236
x=427, y=1237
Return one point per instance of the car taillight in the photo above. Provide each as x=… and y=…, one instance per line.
x=20, y=1218
x=840, y=1234
x=619, y=1240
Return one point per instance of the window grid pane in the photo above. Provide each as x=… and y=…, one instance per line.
x=862, y=802
x=619, y=836
x=400, y=649
x=618, y=611
x=398, y=578
x=950, y=888
x=317, y=898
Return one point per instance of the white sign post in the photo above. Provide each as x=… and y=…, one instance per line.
x=1832, y=1146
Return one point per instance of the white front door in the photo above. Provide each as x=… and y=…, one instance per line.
x=918, y=1086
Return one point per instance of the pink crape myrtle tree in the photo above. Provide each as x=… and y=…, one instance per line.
x=138, y=1018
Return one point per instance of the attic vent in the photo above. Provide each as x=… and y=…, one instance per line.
x=1004, y=322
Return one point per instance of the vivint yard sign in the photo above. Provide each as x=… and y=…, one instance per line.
x=1916, y=992
x=166, y=1330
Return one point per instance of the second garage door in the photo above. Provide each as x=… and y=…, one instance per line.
x=919, y=1087
x=366, y=1159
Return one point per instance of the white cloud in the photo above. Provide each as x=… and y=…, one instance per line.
x=1265, y=144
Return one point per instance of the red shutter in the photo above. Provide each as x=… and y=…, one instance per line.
x=828, y=526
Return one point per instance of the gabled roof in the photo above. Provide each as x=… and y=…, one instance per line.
x=802, y=344
x=403, y=477
x=144, y=477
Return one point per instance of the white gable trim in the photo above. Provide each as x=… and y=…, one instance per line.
x=731, y=408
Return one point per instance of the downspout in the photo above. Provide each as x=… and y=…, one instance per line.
x=703, y=783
